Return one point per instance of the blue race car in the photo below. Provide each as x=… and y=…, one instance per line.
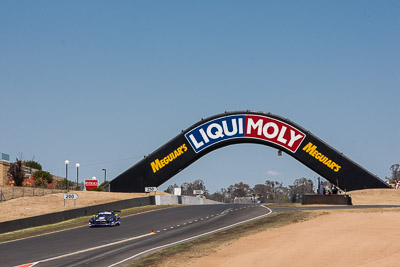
x=105, y=218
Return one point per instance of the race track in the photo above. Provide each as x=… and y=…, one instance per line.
x=137, y=236
x=116, y=246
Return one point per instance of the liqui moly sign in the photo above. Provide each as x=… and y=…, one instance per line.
x=245, y=126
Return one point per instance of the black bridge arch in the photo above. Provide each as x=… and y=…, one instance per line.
x=244, y=127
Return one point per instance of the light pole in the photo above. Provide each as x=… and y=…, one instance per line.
x=105, y=174
x=66, y=174
x=77, y=174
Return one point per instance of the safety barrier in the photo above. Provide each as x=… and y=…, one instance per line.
x=50, y=218
x=326, y=199
x=184, y=200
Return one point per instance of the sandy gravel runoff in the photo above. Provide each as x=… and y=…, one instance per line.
x=340, y=239
x=346, y=238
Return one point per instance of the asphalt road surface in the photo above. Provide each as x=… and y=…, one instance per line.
x=116, y=246
x=138, y=235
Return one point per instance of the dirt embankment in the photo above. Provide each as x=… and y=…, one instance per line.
x=376, y=197
x=32, y=206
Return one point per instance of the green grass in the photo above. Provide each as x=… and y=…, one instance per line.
x=77, y=222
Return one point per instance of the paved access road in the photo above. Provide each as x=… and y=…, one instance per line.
x=116, y=246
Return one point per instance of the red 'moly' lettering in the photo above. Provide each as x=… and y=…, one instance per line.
x=274, y=131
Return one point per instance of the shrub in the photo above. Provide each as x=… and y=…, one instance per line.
x=33, y=164
x=61, y=184
x=42, y=178
x=96, y=189
x=103, y=183
x=16, y=173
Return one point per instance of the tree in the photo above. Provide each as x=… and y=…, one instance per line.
x=170, y=188
x=239, y=190
x=271, y=191
x=16, y=172
x=188, y=188
x=299, y=188
x=221, y=195
x=261, y=190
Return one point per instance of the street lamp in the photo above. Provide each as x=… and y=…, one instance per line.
x=66, y=174
x=105, y=174
x=77, y=174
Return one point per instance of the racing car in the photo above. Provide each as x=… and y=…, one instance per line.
x=105, y=218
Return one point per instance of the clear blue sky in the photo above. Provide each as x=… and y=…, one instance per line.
x=103, y=83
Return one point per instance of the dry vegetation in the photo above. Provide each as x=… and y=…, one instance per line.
x=376, y=197
x=32, y=206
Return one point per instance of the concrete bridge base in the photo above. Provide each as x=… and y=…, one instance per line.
x=326, y=199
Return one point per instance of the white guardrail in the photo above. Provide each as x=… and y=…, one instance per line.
x=185, y=200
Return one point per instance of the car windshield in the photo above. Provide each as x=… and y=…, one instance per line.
x=107, y=215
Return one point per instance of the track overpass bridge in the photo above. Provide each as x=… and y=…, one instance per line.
x=231, y=128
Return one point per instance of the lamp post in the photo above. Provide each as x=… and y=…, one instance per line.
x=105, y=174
x=77, y=174
x=66, y=174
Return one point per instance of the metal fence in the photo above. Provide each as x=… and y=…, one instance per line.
x=12, y=192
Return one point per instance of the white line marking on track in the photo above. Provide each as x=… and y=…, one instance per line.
x=193, y=237
x=94, y=248
x=69, y=228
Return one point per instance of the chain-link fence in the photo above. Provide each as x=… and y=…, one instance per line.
x=12, y=192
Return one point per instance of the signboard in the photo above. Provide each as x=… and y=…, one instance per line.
x=239, y=127
x=198, y=192
x=70, y=196
x=248, y=126
x=150, y=189
x=177, y=191
x=91, y=184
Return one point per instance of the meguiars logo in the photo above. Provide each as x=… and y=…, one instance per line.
x=312, y=150
x=158, y=164
x=245, y=126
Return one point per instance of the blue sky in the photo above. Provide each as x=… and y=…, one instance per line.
x=103, y=83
